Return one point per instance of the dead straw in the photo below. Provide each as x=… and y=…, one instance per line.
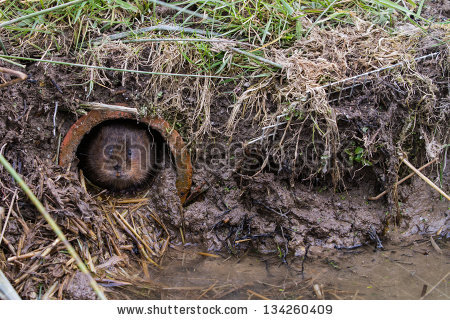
x=111, y=107
x=257, y=294
x=53, y=225
x=8, y=215
x=435, y=246
x=50, y=291
x=435, y=187
x=130, y=230
x=206, y=254
x=206, y=291
x=402, y=180
x=20, y=77
x=435, y=286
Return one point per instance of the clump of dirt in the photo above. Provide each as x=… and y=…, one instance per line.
x=303, y=188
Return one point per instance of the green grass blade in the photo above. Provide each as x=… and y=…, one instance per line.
x=116, y=69
x=7, y=23
x=52, y=224
x=6, y=289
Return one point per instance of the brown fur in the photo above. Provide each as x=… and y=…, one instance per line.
x=120, y=156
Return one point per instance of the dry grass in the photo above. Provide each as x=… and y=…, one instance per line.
x=111, y=234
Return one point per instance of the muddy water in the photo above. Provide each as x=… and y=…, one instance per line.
x=409, y=267
x=408, y=271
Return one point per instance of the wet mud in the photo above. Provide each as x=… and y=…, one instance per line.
x=278, y=229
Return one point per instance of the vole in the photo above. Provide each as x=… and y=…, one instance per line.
x=119, y=156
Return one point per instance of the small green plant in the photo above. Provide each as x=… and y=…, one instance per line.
x=280, y=252
x=333, y=264
x=294, y=113
x=358, y=155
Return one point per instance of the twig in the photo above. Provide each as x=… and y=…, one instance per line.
x=402, y=180
x=29, y=271
x=164, y=248
x=8, y=215
x=206, y=254
x=206, y=291
x=129, y=228
x=435, y=187
x=58, y=149
x=10, y=246
x=24, y=256
x=182, y=236
x=52, y=224
x=158, y=221
x=128, y=201
x=413, y=273
x=50, y=247
x=103, y=106
x=50, y=291
x=2, y=46
x=54, y=118
x=20, y=77
x=435, y=286
x=435, y=246
x=257, y=294
x=318, y=290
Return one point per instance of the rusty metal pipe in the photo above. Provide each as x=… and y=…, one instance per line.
x=176, y=144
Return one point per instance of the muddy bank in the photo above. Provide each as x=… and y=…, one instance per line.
x=301, y=192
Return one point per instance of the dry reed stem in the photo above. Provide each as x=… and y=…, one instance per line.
x=110, y=107
x=49, y=249
x=158, y=220
x=139, y=241
x=403, y=180
x=50, y=291
x=424, y=178
x=128, y=201
x=206, y=291
x=206, y=254
x=8, y=215
x=435, y=246
x=253, y=293
x=435, y=286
